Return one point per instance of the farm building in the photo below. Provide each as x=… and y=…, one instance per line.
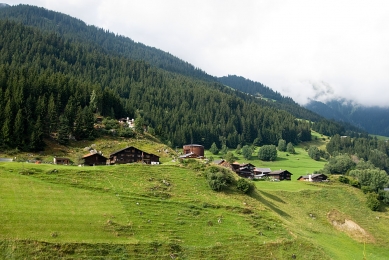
x=313, y=177
x=260, y=173
x=61, y=160
x=281, y=175
x=92, y=159
x=132, y=155
x=245, y=170
x=196, y=150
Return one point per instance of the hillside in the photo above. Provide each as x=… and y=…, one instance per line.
x=310, y=112
x=137, y=211
x=372, y=119
x=66, y=82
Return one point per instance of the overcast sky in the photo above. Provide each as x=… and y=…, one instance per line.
x=301, y=48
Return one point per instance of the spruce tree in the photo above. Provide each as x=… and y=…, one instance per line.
x=63, y=130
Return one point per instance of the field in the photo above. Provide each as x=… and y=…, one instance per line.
x=168, y=211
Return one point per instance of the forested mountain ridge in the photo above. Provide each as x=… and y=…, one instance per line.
x=45, y=73
x=68, y=71
x=74, y=29
x=374, y=120
x=261, y=91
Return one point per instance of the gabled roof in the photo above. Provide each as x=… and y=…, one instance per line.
x=242, y=164
x=262, y=169
x=91, y=154
x=218, y=162
x=279, y=172
x=312, y=176
x=130, y=147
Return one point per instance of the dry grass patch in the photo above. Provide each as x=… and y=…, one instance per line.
x=352, y=229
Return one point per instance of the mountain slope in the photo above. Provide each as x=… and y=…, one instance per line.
x=374, y=120
x=53, y=70
x=76, y=30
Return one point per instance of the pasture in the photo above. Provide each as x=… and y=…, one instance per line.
x=165, y=211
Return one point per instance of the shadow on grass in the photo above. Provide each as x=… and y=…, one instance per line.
x=255, y=194
x=271, y=196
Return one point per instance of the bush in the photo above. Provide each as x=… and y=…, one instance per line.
x=218, y=178
x=214, y=150
x=372, y=201
x=281, y=145
x=126, y=132
x=290, y=148
x=344, y=179
x=267, y=153
x=244, y=186
x=314, y=152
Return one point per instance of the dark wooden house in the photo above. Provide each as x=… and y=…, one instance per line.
x=132, y=155
x=94, y=159
x=281, y=175
x=61, y=160
x=245, y=170
x=313, y=177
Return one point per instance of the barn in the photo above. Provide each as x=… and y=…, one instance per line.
x=281, y=175
x=92, y=159
x=132, y=155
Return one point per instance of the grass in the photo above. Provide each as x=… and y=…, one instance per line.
x=144, y=211
x=168, y=211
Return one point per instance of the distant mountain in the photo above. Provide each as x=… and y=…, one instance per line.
x=276, y=100
x=4, y=5
x=103, y=40
x=374, y=120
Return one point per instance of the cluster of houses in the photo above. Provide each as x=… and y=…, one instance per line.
x=248, y=170
x=134, y=155
x=127, y=155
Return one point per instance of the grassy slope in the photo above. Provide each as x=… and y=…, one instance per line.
x=131, y=206
x=131, y=212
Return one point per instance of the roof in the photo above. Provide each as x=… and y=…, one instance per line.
x=262, y=169
x=279, y=172
x=129, y=148
x=197, y=145
x=312, y=176
x=242, y=164
x=91, y=154
x=219, y=161
x=188, y=155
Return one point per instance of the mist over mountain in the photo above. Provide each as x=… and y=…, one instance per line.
x=374, y=120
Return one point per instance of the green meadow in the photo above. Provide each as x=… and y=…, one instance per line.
x=168, y=211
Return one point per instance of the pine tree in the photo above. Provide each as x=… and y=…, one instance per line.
x=18, y=130
x=63, y=130
x=36, y=140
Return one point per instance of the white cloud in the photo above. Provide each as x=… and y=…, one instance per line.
x=291, y=46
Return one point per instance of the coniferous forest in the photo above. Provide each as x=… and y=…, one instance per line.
x=56, y=73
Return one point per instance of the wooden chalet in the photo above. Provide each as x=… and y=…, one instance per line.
x=313, y=177
x=92, y=159
x=61, y=160
x=132, y=155
x=280, y=175
x=245, y=170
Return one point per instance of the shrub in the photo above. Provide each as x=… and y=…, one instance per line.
x=344, y=179
x=267, y=153
x=314, y=152
x=290, y=148
x=244, y=186
x=372, y=201
x=214, y=150
x=281, y=145
x=218, y=178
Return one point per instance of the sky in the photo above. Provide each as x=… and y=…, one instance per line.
x=304, y=49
